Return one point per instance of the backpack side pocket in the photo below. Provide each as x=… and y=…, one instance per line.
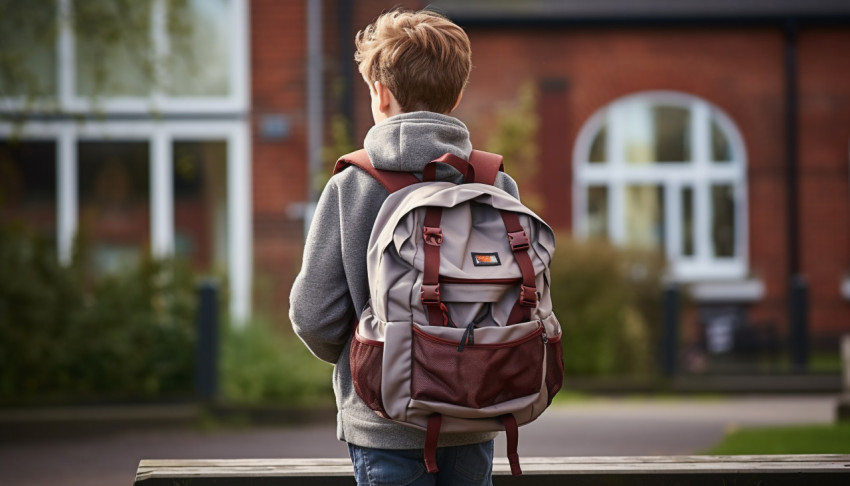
x=554, y=366
x=366, y=358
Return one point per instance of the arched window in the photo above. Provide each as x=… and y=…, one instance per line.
x=665, y=170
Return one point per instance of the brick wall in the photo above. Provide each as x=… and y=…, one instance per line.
x=578, y=71
x=278, y=86
x=738, y=70
x=824, y=176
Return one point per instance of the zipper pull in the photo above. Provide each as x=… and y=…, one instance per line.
x=543, y=335
x=467, y=338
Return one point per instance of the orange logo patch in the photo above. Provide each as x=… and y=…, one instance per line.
x=486, y=259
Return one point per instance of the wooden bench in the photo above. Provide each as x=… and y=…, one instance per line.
x=821, y=470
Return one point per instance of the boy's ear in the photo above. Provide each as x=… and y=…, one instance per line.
x=459, y=97
x=387, y=103
x=384, y=96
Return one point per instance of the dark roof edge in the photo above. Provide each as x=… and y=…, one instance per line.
x=474, y=20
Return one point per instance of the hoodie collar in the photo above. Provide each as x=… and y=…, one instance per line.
x=408, y=141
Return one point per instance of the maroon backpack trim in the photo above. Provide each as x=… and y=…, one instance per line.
x=437, y=313
x=512, y=436
x=485, y=166
x=520, y=246
x=390, y=180
x=429, y=173
x=432, y=437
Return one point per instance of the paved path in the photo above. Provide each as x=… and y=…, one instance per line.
x=604, y=427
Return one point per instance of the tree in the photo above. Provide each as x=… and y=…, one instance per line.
x=121, y=47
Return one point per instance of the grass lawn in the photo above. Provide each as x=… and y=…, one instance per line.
x=802, y=439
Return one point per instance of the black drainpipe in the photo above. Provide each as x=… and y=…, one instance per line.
x=797, y=287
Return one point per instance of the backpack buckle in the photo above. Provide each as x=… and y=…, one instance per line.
x=528, y=296
x=519, y=241
x=431, y=294
x=433, y=236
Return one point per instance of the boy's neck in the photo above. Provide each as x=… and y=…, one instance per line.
x=385, y=105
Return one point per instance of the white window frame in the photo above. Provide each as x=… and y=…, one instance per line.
x=176, y=119
x=616, y=174
x=161, y=136
x=67, y=101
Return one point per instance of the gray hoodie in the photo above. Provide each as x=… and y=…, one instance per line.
x=332, y=287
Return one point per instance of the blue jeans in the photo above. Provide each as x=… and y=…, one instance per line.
x=469, y=465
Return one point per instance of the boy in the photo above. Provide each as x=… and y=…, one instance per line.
x=416, y=65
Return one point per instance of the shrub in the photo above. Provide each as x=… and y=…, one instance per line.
x=608, y=302
x=64, y=338
x=260, y=364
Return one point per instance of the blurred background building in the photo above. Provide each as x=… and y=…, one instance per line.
x=717, y=133
x=126, y=124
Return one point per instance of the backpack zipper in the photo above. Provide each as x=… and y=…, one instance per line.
x=481, y=281
x=468, y=337
x=534, y=335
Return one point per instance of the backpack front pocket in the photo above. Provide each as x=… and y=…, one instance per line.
x=480, y=374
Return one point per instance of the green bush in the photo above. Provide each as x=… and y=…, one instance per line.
x=65, y=336
x=260, y=364
x=608, y=302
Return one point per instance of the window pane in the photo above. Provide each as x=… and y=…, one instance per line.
x=200, y=203
x=113, y=43
x=598, y=151
x=723, y=219
x=597, y=211
x=644, y=213
x=28, y=40
x=673, y=133
x=28, y=186
x=721, y=150
x=200, y=38
x=114, y=202
x=656, y=133
x=687, y=221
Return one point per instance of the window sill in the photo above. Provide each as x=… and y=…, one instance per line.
x=749, y=290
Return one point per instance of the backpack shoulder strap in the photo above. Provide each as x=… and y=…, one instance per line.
x=390, y=180
x=487, y=166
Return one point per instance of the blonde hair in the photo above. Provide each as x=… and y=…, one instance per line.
x=422, y=57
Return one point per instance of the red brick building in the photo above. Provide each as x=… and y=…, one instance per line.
x=771, y=78
x=716, y=132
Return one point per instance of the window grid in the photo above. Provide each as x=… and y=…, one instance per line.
x=67, y=100
x=698, y=176
x=196, y=118
x=161, y=137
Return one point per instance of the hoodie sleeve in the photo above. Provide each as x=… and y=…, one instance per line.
x=320, y=306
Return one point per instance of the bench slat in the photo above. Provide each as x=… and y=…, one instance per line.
x=821, y=469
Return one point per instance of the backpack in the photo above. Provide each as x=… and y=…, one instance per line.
x=459, y=334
